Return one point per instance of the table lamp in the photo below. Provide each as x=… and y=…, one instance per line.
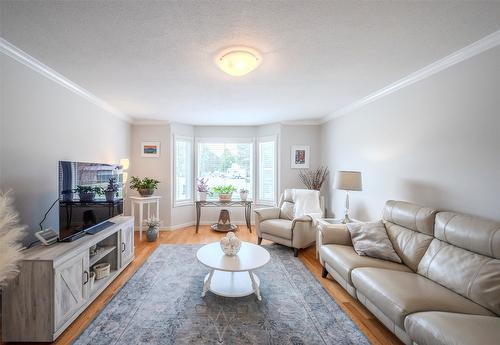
x=348, y=181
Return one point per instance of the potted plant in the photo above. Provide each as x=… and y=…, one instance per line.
x=225, y=192
x=111, y=190
x=67, y=195
x=243, y=194
x=153, y=225
x=88, y=193
x=203, y=189
x=145, y=186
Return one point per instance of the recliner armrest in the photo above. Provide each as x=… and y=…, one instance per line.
x=303, y=219
x=336, y=234
x=267, y=213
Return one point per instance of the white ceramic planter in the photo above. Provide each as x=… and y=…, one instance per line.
x=243, y=196
x=202, y=196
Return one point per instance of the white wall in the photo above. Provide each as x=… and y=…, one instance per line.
x=309, y=135
x=175, y=216
x=42, y=123
x=436, y=142
x=158, y=168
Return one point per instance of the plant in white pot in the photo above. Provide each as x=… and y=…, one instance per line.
x=203, y=189
x=11, y=233
x=243, y=194
x=153, y=225
x=225, y=193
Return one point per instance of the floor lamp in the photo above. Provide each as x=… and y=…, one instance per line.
x=348, y=181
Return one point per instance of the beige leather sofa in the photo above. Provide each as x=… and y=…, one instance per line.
x=447, y=291
x=271, y=224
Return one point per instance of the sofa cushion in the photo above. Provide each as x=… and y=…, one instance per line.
x=277, y=227
x=471, y=275
x=411, y=216
x=288, y=195
x=409, y=245
x=468, y=232
x=398, y=294
x=370, y=239
x=440, y=328
x=410, y=228
x=344, y=259
x=286, y=210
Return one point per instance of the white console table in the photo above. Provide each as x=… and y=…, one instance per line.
x=141, y=201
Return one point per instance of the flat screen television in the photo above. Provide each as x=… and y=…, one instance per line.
x=84, y=203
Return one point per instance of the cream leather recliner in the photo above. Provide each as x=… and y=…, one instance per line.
x=279, y=225
x=446, y=291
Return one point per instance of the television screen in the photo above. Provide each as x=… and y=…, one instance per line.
x=89, y=194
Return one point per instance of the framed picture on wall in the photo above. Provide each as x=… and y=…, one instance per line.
x=300, y=157
x=150, y=149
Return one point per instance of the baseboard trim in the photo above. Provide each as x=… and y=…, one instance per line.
x=188, y=224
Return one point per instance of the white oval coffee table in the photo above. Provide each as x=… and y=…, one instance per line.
x=232, y=276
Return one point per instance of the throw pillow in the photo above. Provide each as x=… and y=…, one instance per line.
x=286, y=211
x=370, y=239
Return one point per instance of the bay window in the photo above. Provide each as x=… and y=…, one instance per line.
x=183, y=170
x=226, y=162
x=267, y=170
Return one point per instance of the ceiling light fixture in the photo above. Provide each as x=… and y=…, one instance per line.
x=238, y=61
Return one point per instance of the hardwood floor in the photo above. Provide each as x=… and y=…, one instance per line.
x=373, y=329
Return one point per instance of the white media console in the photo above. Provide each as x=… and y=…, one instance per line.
x=53, y=286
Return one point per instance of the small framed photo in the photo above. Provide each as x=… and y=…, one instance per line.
x=300, y=157
x=150, y=149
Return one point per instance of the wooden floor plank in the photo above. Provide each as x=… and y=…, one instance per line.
x=367, y=323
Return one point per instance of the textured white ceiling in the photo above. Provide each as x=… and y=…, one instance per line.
x=155, y=60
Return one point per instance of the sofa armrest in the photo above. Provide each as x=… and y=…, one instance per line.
x=267, y=213
x=335, y=234
x=303, y=219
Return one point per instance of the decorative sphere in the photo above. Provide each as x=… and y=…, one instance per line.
x=230, y=244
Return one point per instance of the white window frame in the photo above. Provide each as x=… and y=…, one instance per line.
x=258, y=199
x=191, y=179
x=215, y=140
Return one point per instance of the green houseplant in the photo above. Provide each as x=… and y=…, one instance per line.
x=88, y=193
x=153, y=225
x=145, y=186
x=225, y=192
x=111, y=190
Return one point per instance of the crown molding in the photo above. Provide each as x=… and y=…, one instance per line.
x=311, y=122
x=24, y=58
x=478, y=47
x=145, y=122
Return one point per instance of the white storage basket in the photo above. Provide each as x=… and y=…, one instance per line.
x=102, y=270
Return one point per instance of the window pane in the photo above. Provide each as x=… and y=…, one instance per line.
x=226, y=164
x=267, y=171
x=183, y=180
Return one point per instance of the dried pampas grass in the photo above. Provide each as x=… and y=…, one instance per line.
x=11, y=233
x=314, y=178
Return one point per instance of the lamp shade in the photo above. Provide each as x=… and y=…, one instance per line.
x=348, y=180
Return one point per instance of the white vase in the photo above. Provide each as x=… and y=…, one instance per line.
x=230, y=244
x=243, y=196
x=202, y=196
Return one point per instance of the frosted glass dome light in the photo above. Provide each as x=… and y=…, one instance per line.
x=238, y=61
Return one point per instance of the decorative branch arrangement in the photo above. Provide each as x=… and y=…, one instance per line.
x=11, y=233
x=314, y=178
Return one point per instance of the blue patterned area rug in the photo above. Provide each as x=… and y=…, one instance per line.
x=162, y=304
